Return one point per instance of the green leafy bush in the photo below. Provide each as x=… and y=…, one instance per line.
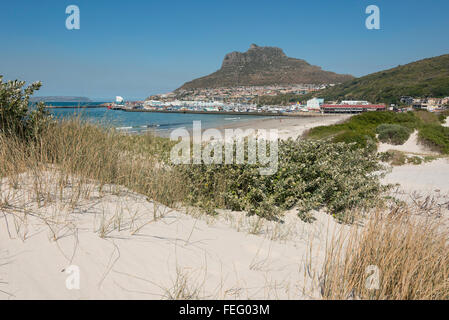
x=311, y=175
x=16, y=117
x=393, y=133
x=358, y=139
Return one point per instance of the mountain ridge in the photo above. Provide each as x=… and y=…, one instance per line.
x=264, y=66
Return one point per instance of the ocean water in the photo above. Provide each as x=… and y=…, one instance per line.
x=139, y=122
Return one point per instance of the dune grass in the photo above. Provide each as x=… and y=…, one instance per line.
x=395, y=256
x=92, y=153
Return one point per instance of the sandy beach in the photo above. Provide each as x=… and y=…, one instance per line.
x=288, y=127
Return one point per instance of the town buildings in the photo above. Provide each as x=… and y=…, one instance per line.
x=429, y=104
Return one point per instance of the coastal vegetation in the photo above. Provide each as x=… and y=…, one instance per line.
x=405, y=256
x=393, y=133
x=367, y=128
x=312, y=175
x=435, y=136
x=16, y=118
x=443, y=116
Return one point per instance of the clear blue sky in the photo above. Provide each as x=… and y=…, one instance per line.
x=136, y=48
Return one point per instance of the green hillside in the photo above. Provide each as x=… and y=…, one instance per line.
x=424, y=78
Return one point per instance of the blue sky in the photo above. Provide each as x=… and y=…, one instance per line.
x=136, y=48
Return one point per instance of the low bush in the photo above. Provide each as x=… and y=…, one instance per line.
x=398, y=158
x=443, y=116
x=358, y=139
x=393, y=133
x=435, y=136
x=16, y=116
x=415, y=160
x=311, y=175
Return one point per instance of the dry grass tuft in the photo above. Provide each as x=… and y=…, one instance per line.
x=407, y=254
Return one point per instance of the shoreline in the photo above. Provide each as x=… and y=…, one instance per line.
x=287, y=128
x=293, y=127
x=233, y=113
x=74, y=107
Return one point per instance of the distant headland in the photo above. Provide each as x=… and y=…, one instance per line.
x=60, y=99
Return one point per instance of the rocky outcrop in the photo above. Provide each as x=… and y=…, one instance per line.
x=264, y=66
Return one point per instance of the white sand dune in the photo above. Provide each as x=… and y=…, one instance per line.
x=426, y=179
x=122, y=253
x=412, y=145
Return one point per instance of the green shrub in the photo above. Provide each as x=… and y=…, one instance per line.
x=311, y=175
x=415, y=160
x=392, y=127
x=358, y=139
x=435, y=136
x=361, y=128
x=393, y=133
x=443, y=116
x=394, y=157
x=386, y=156
x=16, y=118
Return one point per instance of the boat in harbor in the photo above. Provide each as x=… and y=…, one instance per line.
x=118, y=105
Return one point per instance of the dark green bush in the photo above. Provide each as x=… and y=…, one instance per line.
x=393, y=133
x=16, y=116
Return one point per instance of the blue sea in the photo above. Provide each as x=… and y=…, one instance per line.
x=139, y=122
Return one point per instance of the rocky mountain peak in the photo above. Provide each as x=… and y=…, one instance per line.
x=264, y=66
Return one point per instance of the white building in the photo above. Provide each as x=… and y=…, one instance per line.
x=315, y=103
